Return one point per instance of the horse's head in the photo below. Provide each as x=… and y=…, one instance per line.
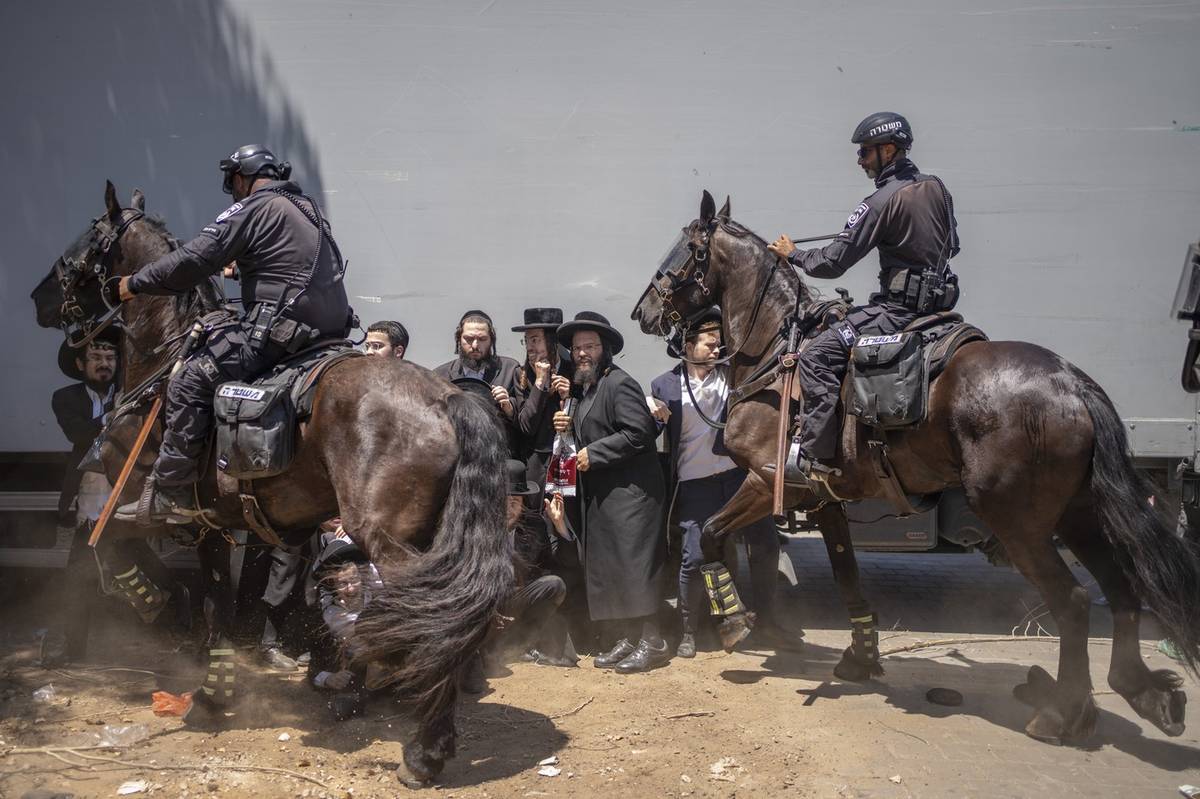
x=73, y=295
x=687, y=280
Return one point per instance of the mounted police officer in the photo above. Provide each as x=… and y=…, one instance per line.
x=292, y=295
x=910, y=220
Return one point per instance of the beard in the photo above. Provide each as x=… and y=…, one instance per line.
x=585, y=375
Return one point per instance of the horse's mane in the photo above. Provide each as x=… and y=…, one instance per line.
x=740, y=231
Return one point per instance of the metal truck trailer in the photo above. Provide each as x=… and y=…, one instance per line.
x=506, y=153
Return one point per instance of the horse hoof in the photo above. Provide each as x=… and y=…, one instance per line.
x=734, y=629
x=1038, y=689
x=1046, y=726
x=1082, y=723
x=417, y=769
x=854, y=669
x=1163, y=704
x=410, y=780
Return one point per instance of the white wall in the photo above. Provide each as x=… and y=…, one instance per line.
x=506, y=153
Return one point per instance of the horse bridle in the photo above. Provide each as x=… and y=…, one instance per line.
x=666, y=283
x=93, y=262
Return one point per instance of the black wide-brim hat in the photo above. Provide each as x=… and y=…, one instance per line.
x=540, y=319
x=590, y=320
x=68, y=354
x=518, y=486
x=473, y=385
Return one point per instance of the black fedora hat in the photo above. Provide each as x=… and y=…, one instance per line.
x=590, y=320
x=518, y=486
x=67, y=354
x=540, y=318
x=473, y=385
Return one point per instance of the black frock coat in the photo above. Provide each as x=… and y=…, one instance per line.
x=623, y=497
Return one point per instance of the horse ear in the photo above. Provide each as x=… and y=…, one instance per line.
x=110, y=200
x=138, y=201
x=724, y=212
x=708, y=207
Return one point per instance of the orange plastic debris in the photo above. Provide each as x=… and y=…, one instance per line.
x=169, y=704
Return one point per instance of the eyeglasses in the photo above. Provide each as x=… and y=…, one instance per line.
x=587, y=347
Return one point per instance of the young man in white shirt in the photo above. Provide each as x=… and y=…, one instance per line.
x=703, y=478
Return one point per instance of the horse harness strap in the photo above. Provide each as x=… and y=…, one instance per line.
x=885, y=474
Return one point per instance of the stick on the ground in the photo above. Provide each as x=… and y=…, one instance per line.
x=77, y=751
x=690, y=714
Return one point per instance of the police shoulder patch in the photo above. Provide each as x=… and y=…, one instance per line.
x=857, y=214
x=228, y=212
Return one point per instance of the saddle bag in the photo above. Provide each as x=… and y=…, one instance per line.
x=256, y=429
x=889, y=380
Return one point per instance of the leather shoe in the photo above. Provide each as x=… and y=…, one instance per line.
x=542, y=659
x=687, y=646
x=612, y=657
x=644, y=658
x=173, y=505
x=273, y=656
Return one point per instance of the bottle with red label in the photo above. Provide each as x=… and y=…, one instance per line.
x=560, y=474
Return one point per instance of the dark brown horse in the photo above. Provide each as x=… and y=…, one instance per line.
x=1034, y=442
x=414, y=467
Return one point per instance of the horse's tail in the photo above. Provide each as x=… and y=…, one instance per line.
x=1163, y=568
x=434, y=608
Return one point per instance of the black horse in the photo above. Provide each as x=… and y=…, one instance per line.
x=414, y=467
x=1034, y=442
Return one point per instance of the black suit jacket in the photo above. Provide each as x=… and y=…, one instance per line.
x=72, y=407
x=501, y=371
x=667, y=387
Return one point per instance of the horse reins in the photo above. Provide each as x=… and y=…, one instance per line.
x=762, y=295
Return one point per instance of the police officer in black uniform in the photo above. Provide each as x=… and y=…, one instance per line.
x=292, y=295
x=910, y=220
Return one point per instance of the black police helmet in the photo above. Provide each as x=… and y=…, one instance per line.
x=884, y=127
x=251, y=160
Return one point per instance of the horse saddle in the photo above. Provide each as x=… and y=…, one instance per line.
x=256, y=421
x=890, y=375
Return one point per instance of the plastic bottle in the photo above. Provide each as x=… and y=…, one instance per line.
x=561, y=474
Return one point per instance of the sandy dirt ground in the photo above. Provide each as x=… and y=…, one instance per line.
x=748, y=723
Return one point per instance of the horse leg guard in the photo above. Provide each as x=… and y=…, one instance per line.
x=725, y=604
x=216, y=693
x=860, y=661
x=146, y=598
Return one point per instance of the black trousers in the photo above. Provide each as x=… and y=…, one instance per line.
x=823, y=367
x=284, y=594
x=226, y=356
x=537, y=622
